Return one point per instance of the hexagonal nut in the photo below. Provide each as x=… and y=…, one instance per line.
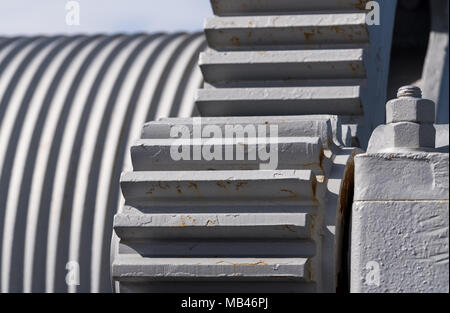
x=408, y=109
x=410, y=135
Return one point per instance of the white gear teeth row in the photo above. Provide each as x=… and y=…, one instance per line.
x=284, y=58
x=223, y=225
x=298, y=57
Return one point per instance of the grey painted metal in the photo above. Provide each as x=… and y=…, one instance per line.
x=288, y=126
x=297, y=58
x=69, y=107
x=442, y=137
x=277, y=65
x=202, y=226
x=409, y=91
x=240, y=7
x=400, y=224
x=435, y=70
x=154, y=154
x=282, y=31
x=266, y=101
x=410, y=124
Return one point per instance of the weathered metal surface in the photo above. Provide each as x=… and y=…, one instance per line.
x=220, y=67
x=400, y=225
x=205, y=226
x=296, y=58
x=278, y=32
x=283, y=100
x=410, y=124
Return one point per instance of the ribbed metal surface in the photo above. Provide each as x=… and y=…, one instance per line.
x=286, y=58
x=69, y=108
x=225, y=225
x=298, y=57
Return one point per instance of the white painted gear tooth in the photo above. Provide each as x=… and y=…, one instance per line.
x=279, y=32
x=220, y=67
x=282, y=100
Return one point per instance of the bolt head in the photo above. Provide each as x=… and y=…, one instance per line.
x=410, y=135
x=408, y=109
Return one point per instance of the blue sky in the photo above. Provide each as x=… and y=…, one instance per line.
x=31, y=17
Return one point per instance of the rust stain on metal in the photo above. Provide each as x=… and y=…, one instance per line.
x=360, y=4
x=310, y=274
x=240, y=184
x=191, y=219
x=221, y=184
x=354, y=67
x=309, y=35
x=338, y=30
x=235, y=41
x=292, y=195
x=163, y=186
x=288, y=228
x=193, y=185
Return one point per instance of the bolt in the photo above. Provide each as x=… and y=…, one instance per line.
x=410, y=107
x=409, y=91
x=410, y=121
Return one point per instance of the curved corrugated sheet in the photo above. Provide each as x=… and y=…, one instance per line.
x=69, y=110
